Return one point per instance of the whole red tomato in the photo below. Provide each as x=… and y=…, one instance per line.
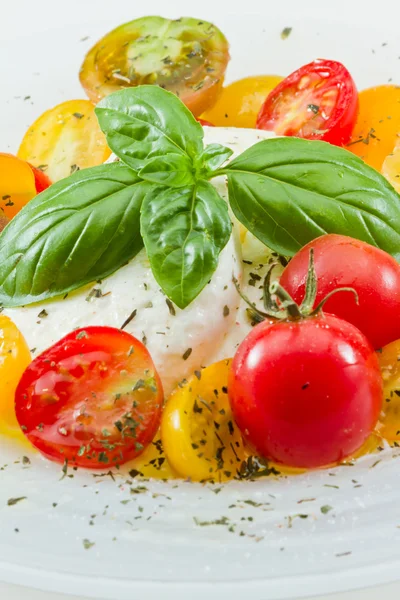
x=342, y=261
x=319, y=101
x=305, y=391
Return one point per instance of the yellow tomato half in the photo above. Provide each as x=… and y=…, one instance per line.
x=64, y=139
x=14, y=358
x=378, y=124
x=389, y=422
x=200, y=439
x=239, y=103
x=17, y=185
x=391, y=166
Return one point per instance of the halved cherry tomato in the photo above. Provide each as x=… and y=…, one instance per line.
x=341, y=261
x=64, y=139
x=199, y=436
x=378, y=124
x=239, y=102
x=391, y=166
x=389, y=420
x=319, y=101
x=185, y=56
x=92, y=399
x=306, y=393
x=17, y=184
x=14, y=358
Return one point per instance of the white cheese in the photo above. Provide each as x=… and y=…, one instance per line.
x=210, y=326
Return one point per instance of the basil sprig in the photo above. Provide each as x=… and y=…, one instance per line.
x=286, y=191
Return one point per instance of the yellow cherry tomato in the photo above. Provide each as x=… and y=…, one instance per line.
x=64, y=139
x=389, y=422
x=17, y=185
x=239, y=103
x=14, y=358
x=378, y=124
x=153, y=463
x=391, y=166
x=200, y=439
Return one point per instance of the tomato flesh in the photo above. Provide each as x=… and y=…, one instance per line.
x=92, y=399
x=342, y=261
x=306, y=393
x=185, y=56
x=319, y=101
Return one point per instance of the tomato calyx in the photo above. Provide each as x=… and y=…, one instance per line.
x=279, y=304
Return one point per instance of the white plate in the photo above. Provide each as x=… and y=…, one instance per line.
x=280, y=555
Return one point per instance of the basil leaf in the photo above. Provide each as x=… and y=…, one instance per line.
x=174, y=170
x=184, y=231
x=288, y=191
x=146, y=122
x=213, y=156
x=78, y=230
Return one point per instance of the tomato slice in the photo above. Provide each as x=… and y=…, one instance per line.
x=199, y=436
x=92, y=399
x=319, y=101
x=17, y=184
x=185, y=56
x=14, y=358
x=389, y=419
x=63, y=140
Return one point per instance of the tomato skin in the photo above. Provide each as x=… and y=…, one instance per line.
x=279, y=112
x=42, y=182
x=93, y=399
x=205, y=123
x=306, y=393
x=341, y=261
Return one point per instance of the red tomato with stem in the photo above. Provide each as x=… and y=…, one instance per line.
x=371, y=272
x=319, y=101
x=93, y=399
x=306, y=391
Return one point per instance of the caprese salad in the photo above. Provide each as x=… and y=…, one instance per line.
x=202, y=281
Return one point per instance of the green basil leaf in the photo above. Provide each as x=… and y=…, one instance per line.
x=80, y=229
x=174, y=170
x=288, y=191
x=184, y=231
x=213, y=156
x=146, y=122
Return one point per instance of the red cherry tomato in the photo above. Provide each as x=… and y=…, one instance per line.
x=205, y=123
x=319, y=101
x=306, y=393
x=42, y=182
x=93, y=399
x=342, y=261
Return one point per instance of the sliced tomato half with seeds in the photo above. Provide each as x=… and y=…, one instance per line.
x=185, y=56
x=94, y=399
x=319, y=101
